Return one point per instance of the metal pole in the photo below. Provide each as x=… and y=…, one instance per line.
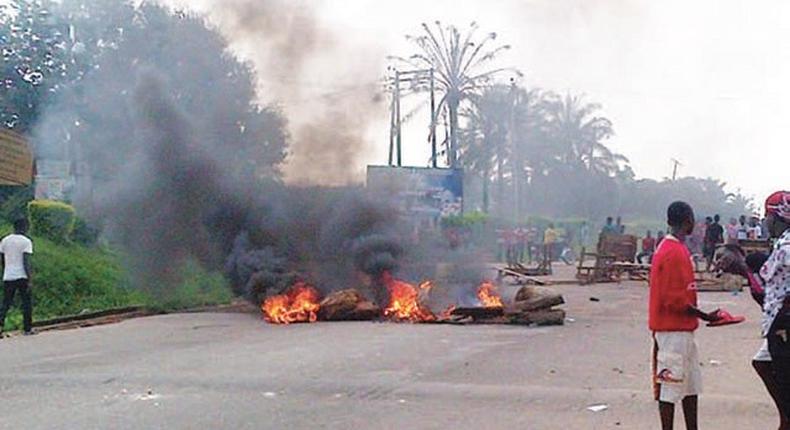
x=397, y=114
x=517, y=164
x=392, y=127
x=433, y=122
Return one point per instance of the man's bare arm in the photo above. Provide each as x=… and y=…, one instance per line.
x=28, y=267
x=705, y=316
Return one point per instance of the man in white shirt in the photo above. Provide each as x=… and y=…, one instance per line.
x=15, y=252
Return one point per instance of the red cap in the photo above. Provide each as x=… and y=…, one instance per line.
x=778, y=204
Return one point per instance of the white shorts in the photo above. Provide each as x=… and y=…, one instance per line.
x=676, y=368
x=763, y=354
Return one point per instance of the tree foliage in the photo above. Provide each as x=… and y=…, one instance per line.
x=547, y=154
x=462, y=64
x=70, y=68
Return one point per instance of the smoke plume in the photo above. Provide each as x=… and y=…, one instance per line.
x=329, y=86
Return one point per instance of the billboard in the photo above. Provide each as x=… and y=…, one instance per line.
x=420, y=191
x=16, y=160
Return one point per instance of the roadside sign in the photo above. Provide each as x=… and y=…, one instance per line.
x=16, y=160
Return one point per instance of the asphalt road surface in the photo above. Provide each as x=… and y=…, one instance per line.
x=233, y=371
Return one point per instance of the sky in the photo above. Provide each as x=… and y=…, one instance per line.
x=706, y=82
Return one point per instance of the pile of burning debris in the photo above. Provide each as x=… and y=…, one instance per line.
x=302, y=303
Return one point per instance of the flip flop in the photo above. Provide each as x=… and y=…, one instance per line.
x=726, y=319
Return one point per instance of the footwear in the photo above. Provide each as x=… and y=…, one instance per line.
x=28, y=333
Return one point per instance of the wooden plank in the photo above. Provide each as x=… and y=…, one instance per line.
x=478, y=312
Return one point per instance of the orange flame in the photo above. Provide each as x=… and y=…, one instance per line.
x=488, y=295
x=405, y=300
x=298, y=304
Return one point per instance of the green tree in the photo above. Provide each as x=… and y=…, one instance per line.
x=580, y=133
x=462, y=63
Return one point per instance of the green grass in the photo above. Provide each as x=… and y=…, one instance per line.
x=198, y=287
x=70, y=279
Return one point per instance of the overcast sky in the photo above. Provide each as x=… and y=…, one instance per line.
x=707, y=82
x=704, y=81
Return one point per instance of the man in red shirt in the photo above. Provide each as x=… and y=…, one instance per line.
x=648, y=248
x=673, y=318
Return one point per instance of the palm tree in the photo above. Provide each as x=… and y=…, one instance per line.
x=581, y=135
x=460, y=64
x=484, y=141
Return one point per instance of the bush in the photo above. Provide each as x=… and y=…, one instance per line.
x=84, y=233
x=52, y=220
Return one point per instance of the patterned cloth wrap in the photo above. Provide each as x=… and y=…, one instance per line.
x=776, y=271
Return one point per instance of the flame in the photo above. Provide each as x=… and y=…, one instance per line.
x=405, y=302
x=488, y=295
x=298, y=304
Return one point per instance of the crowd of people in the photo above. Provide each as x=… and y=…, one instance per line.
x=708, y=236
x=527, y=244
x=674, y=312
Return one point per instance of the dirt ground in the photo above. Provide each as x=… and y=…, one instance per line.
x=216, y=370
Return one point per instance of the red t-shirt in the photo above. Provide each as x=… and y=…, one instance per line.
x=648, y=244
x=672, y=288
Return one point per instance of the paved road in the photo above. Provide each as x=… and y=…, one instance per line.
x=212, y=371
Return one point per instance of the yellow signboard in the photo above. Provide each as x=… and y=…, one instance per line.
x=16, y=160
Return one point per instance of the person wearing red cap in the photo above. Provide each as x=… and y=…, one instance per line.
x=772, y=288
x=776, y=274
x=673, y=319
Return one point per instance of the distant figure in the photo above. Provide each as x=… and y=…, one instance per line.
x=743, y=229
x=714, y=236
x=732, y=232
x=500, y=244
x=659, y=238
x=522, y=239
x=755, y=232
x=15, y=252
x=532, y=243
x=764, y=226
x=584, y=234
x=550, y=237
x=609, y=227
x=648, y=247
x=620, y=228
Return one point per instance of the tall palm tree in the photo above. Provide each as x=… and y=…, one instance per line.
x=483, y=146
x=461, y=64
x=580, y=133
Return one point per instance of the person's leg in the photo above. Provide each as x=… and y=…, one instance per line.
x=27, y=305
x=690, y=412
x=8, y=299
x=765, y=371
x=779, y=347
x=667, y=412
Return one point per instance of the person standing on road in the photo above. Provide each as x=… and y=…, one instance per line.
x=15, y=252
x=772, y=289
x=673, y=319
x=732, y=232
x=550, y=236
x=648, y=248
x=714, y=236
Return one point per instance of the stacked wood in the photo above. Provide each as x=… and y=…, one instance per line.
x=478, y=312
x=347, y=305
x=533, y=305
